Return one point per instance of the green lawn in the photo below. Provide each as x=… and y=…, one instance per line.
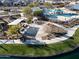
x=44, y=50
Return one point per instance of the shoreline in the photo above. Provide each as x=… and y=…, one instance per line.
x=49, y=56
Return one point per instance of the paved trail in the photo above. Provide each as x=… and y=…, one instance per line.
x=70, y=33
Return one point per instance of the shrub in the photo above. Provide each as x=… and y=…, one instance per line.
x=13, y=30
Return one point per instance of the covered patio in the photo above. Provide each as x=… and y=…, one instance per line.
x=17, y=21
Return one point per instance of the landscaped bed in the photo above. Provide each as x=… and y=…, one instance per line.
x=45, y=50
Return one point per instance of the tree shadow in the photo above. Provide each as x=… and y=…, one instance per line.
x=3, y=48
x=43, y=47
x=70, y=43
x=36, y=46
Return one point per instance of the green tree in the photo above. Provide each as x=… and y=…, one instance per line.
x=29, y=21
x=47, y=4
x=30, y=17
x=27, y=10
x=37, y=13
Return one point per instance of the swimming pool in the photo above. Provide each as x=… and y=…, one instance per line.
x=67, y=14
x=50, y=13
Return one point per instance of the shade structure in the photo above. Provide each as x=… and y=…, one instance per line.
x=75, y=7
x=15, y=22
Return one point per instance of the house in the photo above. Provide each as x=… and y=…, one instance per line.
x=7, y=2
x=25, y=2
x=21, y=2
x=1, y=3
x=14, y=2
x=57, y=1
x=32, y=1
x=41, y=1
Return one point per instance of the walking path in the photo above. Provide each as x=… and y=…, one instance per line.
x=70, y=33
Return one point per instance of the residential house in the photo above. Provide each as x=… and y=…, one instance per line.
x=20, y=2
x=7, y=2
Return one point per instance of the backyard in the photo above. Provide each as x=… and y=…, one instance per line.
x=41, y=50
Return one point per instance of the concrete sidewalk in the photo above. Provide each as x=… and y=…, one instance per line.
x=69, y=34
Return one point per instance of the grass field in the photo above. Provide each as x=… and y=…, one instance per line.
x=44, y=50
